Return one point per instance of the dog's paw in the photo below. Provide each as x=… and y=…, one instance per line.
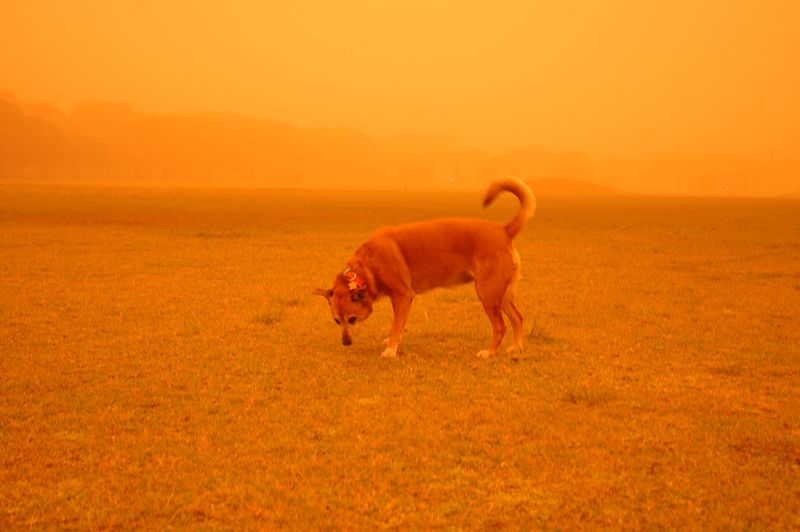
x=514, y=350
x=389, y=352
x=485, y=353
x=386, y=341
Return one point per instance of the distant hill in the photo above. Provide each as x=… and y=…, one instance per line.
x=569, y=187
x=100, y=141
x=113, y=141
x=27, y=140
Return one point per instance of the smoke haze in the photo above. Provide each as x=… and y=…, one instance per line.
x=597, y=83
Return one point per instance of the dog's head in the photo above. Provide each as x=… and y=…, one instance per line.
x=350, y=302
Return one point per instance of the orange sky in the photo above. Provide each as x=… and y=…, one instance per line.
x=609, y=77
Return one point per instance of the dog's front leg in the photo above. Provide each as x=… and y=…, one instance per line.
x=402, y=306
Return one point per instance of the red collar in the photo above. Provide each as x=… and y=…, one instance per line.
x=354, y=282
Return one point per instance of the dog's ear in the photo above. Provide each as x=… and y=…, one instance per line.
x=327, y=294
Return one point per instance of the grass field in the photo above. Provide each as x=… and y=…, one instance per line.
x=163, y=365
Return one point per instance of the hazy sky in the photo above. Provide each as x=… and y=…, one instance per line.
x=610, y=77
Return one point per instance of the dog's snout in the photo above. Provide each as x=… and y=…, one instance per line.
x=346, y=340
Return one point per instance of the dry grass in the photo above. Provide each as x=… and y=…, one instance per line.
x=164, y=366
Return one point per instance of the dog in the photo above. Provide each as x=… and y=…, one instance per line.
x=409, y=259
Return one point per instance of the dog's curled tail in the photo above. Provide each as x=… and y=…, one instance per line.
x=526, y=199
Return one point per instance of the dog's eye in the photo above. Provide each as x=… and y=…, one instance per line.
x=351, y=320
x=337, y=321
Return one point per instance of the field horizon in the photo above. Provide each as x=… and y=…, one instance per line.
x=164, y=365
x=557, y=187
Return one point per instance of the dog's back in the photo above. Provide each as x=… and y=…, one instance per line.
x=450, y=251
x=442, y=252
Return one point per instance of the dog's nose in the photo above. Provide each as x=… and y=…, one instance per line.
x=346, y=340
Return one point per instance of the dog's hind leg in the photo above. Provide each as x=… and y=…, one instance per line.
x=492, y=300
x=510, y=308
x=515, y=317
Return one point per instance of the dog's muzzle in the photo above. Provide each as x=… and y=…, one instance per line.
x=346, y=339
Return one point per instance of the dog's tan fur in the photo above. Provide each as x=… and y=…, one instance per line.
x=409, y=259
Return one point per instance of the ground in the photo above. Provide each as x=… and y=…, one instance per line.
x=164, y=364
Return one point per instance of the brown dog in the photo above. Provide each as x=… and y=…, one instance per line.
x=410, y=259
